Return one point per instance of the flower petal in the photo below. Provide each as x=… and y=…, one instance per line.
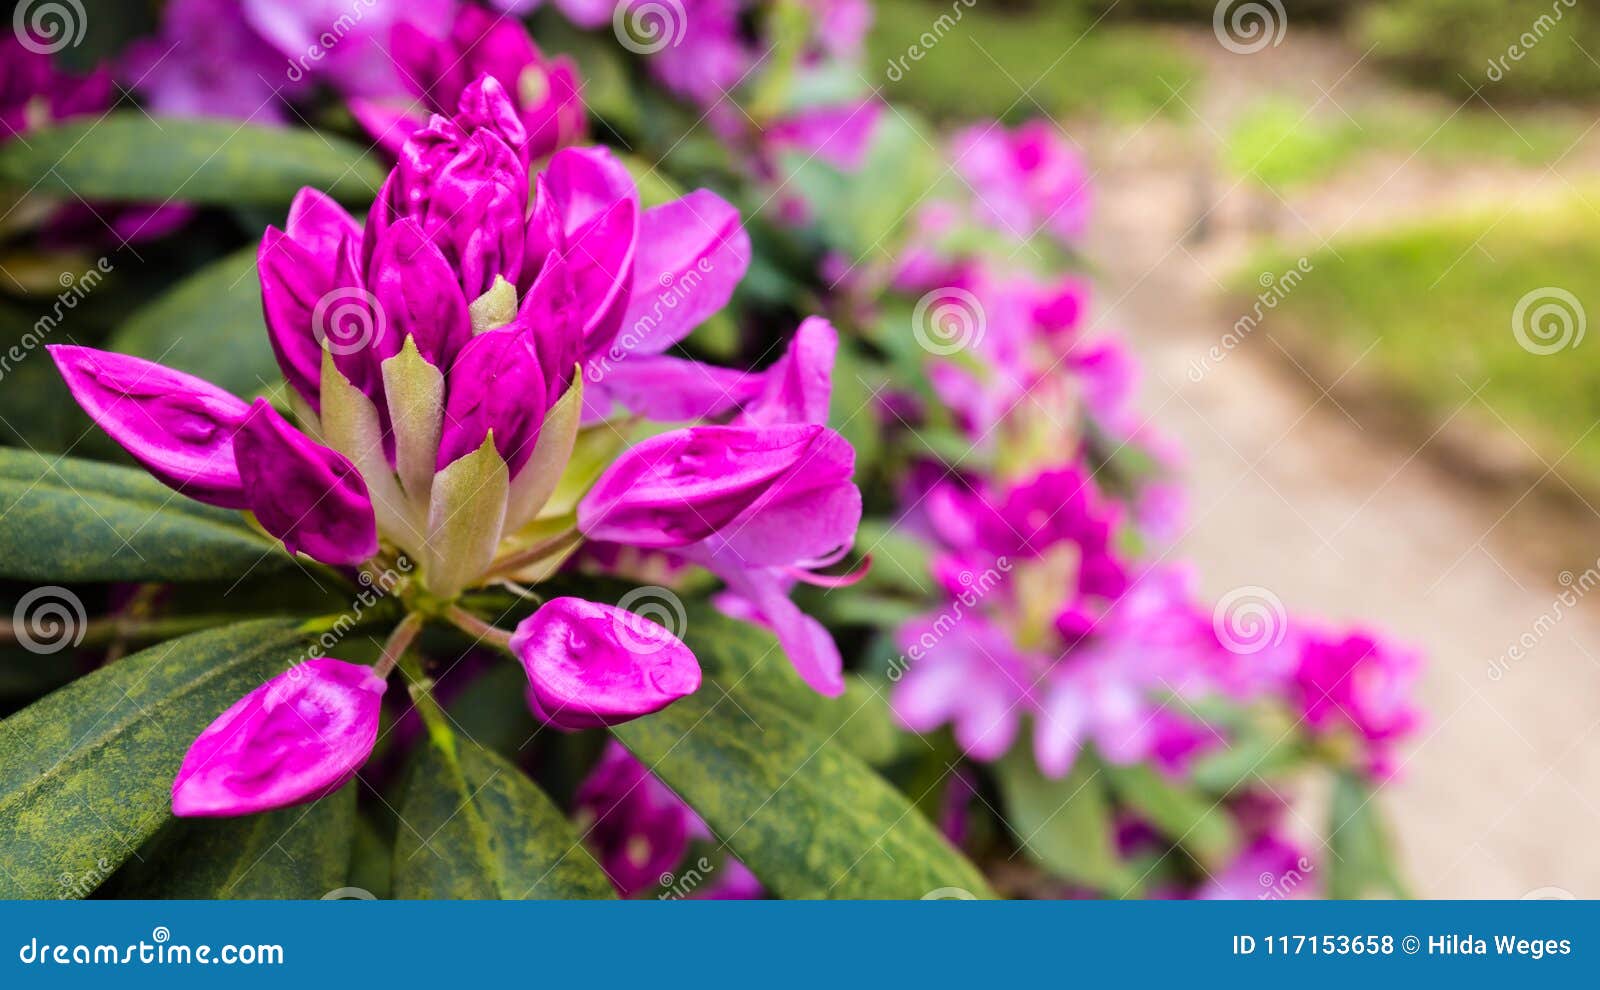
x=680, y=487
x=495, y=386
x=692, y=253
x=178, y=426
x=296, y=738
x=798, y=387
x=309, y=496
x=591, y=665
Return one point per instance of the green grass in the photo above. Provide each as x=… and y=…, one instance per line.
x=1282, y=146
x=1438, y=300
x=981, y=65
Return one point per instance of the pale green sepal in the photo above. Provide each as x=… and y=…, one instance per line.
x=596, y=447
x=415, y=390
x=465, y=519
x=350, y=425
x=536, y=481
x=495, y=308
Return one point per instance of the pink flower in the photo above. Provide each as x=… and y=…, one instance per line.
x=1025, y=180
x=1362, y=682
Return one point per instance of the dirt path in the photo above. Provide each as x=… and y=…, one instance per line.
x=1500, y=795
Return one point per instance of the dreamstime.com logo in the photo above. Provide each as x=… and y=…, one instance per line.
x=347, y=320
x=1248, y=27
x=159, y=951
x=645, y=27
x=45, y=27
x=1549, y=320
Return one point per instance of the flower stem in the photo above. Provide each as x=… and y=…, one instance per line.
x=472, y=625
x=399, y=641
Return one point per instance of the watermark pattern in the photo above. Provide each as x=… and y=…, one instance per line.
x=950, y=894
x=975, y=587
x=45, y=27
x=1281, y=886
x=658, y=605
x=1249, y=620
x=80, y=886
x=645, y=27
x=1549, y=320
x=74, y=288
x=1249, y=27
x=1275, y=288
x=375, y=587
x=928, y=40
x=1576, y=587
x=349, y=894
x=686, y=881
x=1527, y=41
x=948, y=320
x=329, y=39
x=48, y=620
x=347, y=320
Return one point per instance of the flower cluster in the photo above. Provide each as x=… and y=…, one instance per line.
x=1078, y=631
x=462, y=391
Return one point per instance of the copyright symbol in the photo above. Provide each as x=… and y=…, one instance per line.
x=1410, y=944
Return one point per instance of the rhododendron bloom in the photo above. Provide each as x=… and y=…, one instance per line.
x=442, y=360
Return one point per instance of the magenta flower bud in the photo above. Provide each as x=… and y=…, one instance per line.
x=467, y=191
x=596, y=205
x=417, y=296
x=496, y=384
x=307, y=495
x=438, y=73
x=300, y=268
x=179, y=427
x=591, y=665
x=298, y=737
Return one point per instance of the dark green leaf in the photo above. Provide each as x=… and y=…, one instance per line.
x=472, y=826
x=807, y=817
x=1360, y=863
x=86, y=773
x=63, y=519
x=209, y=325
x=129, y=156
x=1187, y=817
x=1065, y=825
x=300, y=853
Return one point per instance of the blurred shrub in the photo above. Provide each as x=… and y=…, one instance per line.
x=1512, y=50
x=1020, y=60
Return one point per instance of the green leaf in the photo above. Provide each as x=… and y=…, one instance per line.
x=1064, y=825
x=1360, y=862
x=209, y=325
x=63, y=519
x=128, y=156
x=86, y=772
x=1181, y=813
x=297, y=853
x=472, y=826
x=807, y=817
